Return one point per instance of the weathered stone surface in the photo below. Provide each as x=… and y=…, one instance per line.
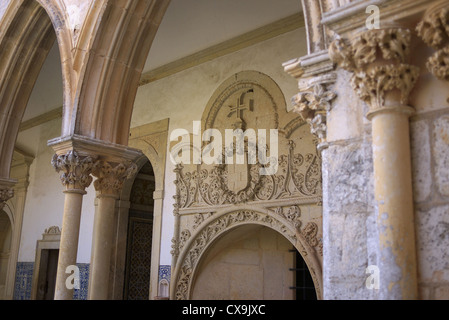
x=349, y=175
x=440, y=152
x=349, y=225
x=421, y=160
x=432, y=228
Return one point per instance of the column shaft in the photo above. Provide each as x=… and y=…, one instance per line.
x=109, y=183
x=68, y=248
x=394, y=198
x=102, y=248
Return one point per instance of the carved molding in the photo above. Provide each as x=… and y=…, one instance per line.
x=75, y=171
x=377, y=60
x=198, y=243
x=192, y=246
x=111, y=176
x=434, y=31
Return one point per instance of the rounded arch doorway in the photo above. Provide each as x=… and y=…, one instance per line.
x=252, y=262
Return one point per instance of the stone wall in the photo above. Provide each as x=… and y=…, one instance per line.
x=251, y=262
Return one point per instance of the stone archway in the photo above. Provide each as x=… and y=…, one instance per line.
x=193, y=247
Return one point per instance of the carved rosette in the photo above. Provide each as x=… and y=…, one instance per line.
x=75, y=171
x=313, y=106
x=111, y=176
x=434, y=31
x=378, y=61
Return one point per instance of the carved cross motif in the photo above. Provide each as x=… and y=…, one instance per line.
x=239, y=108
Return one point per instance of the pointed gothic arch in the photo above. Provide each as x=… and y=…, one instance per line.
x=104, y=99
x=31, y=28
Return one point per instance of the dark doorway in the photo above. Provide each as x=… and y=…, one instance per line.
x=139, y=239
x=47, y=274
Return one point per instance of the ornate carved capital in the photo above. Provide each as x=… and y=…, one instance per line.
x=111, y=176
x=5, y=195
x=74, y=170
x=313, y=106
x=378, y=60
x=315, y=73
x=434, y=31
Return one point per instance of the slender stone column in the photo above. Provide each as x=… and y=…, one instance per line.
x=383, y=79
x=108, y=185
x=75, y=177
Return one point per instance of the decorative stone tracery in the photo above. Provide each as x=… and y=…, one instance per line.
x=212, y=199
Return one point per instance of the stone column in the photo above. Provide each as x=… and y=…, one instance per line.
x=382, y=78
x=108, y=186
x=75, y=176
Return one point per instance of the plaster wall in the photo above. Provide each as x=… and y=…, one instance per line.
x=45, y=199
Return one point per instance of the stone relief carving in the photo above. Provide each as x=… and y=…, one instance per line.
x=213, y=230
x=110, y=176
x=74, y=170
x=298, y=175
x=313, y=107
x=53, y=230
x=314, y=101
x=204, y=191
x=434, y=31
x=372, y=82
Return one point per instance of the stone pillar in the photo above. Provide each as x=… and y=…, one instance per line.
x=108, y=186
x=382, y=78
x=75, y=176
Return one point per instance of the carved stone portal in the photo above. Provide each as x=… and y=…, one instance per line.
x=212, y=199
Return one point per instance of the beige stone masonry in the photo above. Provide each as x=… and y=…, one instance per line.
x=382, y=78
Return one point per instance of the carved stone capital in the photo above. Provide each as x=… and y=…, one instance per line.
x=315, y=74
x=377, y=60
x=111, y=176
x=74, y=170
x=5, y=195
x=434, y=31
x=313, y=105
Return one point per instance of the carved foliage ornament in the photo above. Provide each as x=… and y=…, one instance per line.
x=313, y=106
x=298, y=176
x=434, y=31
x=110, y=176
x=372, y=82
x=74, y=170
